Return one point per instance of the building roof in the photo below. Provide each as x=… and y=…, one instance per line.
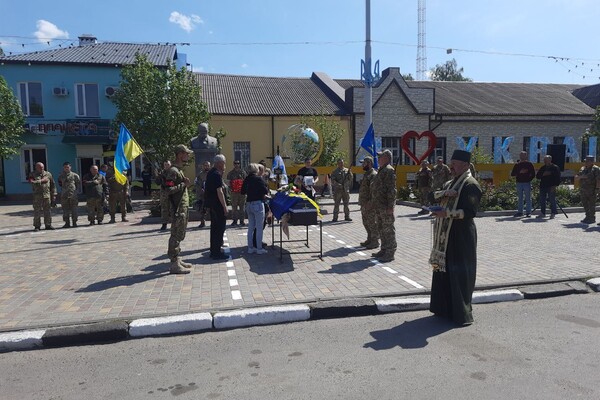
x=107, y=53
x=257, y=95
x=476, y=98
x=590, y=95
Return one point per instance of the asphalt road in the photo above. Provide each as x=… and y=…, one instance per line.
x=534, y=349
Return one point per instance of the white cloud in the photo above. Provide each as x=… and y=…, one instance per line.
x=187, y=23
x=47, y=31
x=244, y=65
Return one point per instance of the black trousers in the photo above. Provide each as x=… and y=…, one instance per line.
x=217, y=229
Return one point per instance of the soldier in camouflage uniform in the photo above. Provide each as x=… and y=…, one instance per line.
x=424, y=182
x=441, y=174
x=341, y=182
x=95, y=189
x=117, y=193
x=238, y=200
x=69, y=182
x=366, y=205
x=44, y=193
x=199, y=184
x=176, y=186
x=383, y=195
x=589, y=185
x=165, y=206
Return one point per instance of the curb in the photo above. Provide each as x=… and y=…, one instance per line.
x=113, y=331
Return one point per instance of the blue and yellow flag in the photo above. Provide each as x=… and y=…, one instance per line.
x=368, y=143
x=127, y=150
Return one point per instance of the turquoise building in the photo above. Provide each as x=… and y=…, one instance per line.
x=65, y=95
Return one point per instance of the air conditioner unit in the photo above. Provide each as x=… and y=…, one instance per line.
x=110, y=91
x=60, y=91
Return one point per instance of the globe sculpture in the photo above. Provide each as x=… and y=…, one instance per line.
x=301, y=142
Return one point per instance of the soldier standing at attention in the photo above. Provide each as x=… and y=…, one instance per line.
x=44, y=193
x=176, y=187
x=238, y=200
x=589, y=184
x=117, y=193
x=441, y=174
x=424, y=180
x=95, y=186
x=366, y=205
x=383, y=195
x=341, y=181
x=165, y=207
x=69, y=182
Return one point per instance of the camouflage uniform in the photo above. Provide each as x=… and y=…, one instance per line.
x=238, y=200
x=117, y=193
x=165, y=205
x=43, y=194
x=177, y=195
x=589, y=184
x=383, y=195
x=95, y=188
x=69, y=182
x=441, y=174
x=366, y=209
x=199, y=183
x=341, y=182
x=424, y=178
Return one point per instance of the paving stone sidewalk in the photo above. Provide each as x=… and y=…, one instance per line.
x=120, y=271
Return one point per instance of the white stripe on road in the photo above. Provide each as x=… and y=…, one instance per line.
x=230, y=272
x=360, y=253
x=390, y=270
x=233, y=282
x=340, y=241
x=236, y=295
x=229, y=264
x=411, y=282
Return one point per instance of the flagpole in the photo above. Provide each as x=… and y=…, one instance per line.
x=369, y=76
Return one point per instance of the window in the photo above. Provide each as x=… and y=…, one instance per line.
x=393, y=144
x=137, y=167
x=87, y=100
x=30, y=96
x=241, y=152
x=29, y=157
x=439, y=151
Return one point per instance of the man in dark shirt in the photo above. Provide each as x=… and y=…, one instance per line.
x=549, y=176
x=524, y=173
x=308, y=171
x=214, y=198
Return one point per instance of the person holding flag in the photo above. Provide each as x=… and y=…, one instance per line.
x=126, y=151
x=368, y=143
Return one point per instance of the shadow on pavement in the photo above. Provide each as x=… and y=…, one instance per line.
x=156, y=271
x=340, y=252
x=66, y=241
x=583, y=227
x=348, y=267
x=410, y=334
x=505, y=219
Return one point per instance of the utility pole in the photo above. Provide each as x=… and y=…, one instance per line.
x=369, y=78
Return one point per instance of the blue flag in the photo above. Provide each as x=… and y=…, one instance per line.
x=278, y=163
x=368, y=143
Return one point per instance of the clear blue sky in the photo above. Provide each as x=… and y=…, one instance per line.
x=253, y=37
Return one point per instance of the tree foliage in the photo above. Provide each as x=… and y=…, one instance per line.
x=11, y=122
x=448, y=72
x=331, y=133
x=161, y=107
x=1, y=52
x=408, y=77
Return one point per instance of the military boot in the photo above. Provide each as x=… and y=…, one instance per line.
x=378, y=254
x=112, y=219
x=386, y=257
x=183, y=263
x=176, y=268
x=67, y=224
x=372, y=245
x=74, y=224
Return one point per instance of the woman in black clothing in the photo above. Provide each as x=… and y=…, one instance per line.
x=255, y=189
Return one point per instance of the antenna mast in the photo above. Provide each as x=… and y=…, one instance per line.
x=421, y=46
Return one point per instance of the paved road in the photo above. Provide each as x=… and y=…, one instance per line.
x=119, y=271
x=538, y=349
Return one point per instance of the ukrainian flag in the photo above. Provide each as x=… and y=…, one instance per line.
x=127, y=150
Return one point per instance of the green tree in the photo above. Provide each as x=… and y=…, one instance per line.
x=11, y=122
x=408, y=77
x=448, y=72
x=161, y=107
x=330, y=132
x=1, y=52
x=594, y=128
x=479, y=157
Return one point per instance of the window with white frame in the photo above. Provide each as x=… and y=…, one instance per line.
x=392, y=143
x=30, y=97
x=241, y=152
x=30, y=155
x=87, y=102
x=439, y=151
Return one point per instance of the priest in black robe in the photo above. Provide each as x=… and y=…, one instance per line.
x=454, y=253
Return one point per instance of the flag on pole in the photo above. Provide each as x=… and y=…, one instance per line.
x=368, y=143
x=127, y=150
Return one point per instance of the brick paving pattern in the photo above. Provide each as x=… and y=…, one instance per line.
x=120, y=271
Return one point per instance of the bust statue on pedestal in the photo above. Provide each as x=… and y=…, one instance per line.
x=204, y=146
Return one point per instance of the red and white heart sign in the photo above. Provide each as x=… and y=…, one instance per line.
x=405, y=143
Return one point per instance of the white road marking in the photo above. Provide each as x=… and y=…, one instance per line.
x=236, y=295
x=390, y=270
x=411, y=282
x=15, y=235
x=230, y=272
x=233, y=282
x=360, y=253
x=349, y=247
x=331, y=236
x=229, y=264
x=340, y=241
